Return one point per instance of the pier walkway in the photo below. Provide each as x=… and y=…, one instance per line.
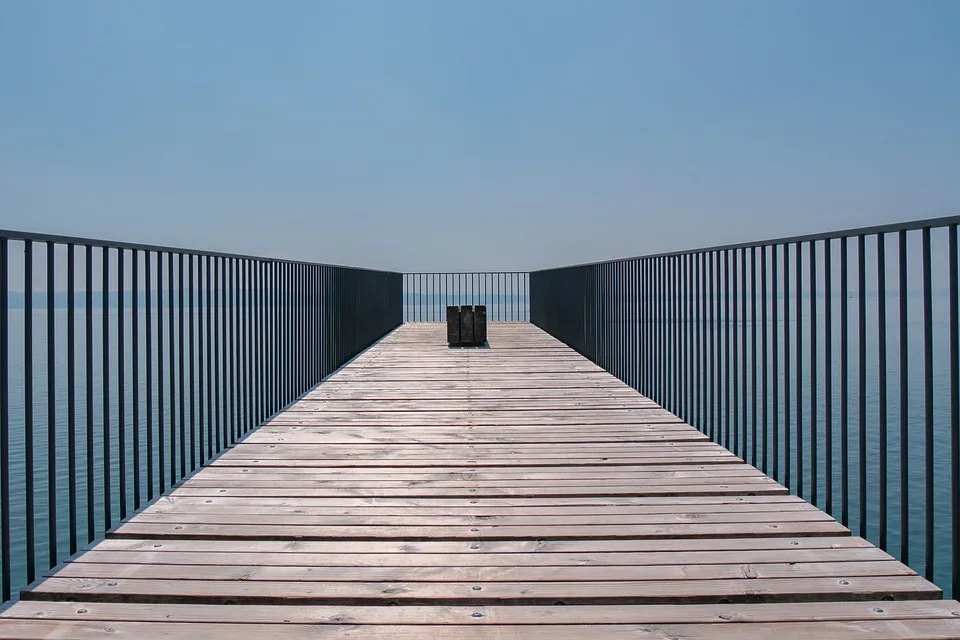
x=515, y=491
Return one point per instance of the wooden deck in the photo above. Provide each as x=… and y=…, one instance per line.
x=511, y=492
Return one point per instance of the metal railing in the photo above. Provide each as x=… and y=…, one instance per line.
x=506, y=294
x=152, y=360
x=830, y=361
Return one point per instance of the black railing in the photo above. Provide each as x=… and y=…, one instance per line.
x=506, y=294
x=152, y=360
x=829, y=361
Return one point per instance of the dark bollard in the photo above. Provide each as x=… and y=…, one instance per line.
x=467, y=326
x=453, y=326
x=480, y=325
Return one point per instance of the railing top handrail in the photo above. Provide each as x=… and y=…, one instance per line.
x=912, y=225
x=136, y=246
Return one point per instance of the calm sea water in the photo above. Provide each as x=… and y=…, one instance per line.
x=915, y=443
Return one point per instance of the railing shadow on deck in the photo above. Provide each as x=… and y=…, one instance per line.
x=829, y=361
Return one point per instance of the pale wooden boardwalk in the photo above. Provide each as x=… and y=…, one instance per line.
x=511, y=492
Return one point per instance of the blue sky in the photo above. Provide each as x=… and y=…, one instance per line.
x=465, y=135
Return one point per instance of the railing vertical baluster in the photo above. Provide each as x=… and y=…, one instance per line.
x=134, y=370
x=105, y=376
x=71, y=391
x=242, y=348
x=775, y=353
x=148, y=353
x=862, y=381
x=798, y=311
x=28, y=407
x=5, y=565
x=664, y=317
x=814, y=439
x=682, y=338
x=661, y=334
x=253, y=345
x=787, y=438
x=161, y=439
x=689, y=333
x=632, y=315
x=729, y=371
x=223, y=419
x=203, y=364
x=715, y=352
x=206, y=399
x=51, y=407
x=234, y=347
x=743, y=353
x=646, y=333
x=295, y=319
x=191, y=275
x=172, y=362
x=828, y=372
x=765, y=365
x=214, y=437
x=737, y=293
x=88, y=383
x=753, y=355
x=928, y=423
x=952, y=264
x=678, y=322
x=703, y=259
x=121, y=391
x=161, y=450
x=903, y=401
x=275, y=335
x=621, y=320
x=844, y=383
x=641, y=325
x=882, y=372
x=674, y=292
x=692, y=346
x=256, y=344
x=644, y=325
x=686, y=329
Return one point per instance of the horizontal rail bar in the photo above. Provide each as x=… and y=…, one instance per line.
x=136, y=246
x=893, y=227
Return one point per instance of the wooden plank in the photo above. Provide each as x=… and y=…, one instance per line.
x=478, y=547
x=679, y=592
x=329, y=559
x=714, y=614
x=438, y=520
x=479, y=531
x=443, y=573
x=866, y=629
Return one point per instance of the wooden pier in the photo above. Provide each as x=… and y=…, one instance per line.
x=515, y=491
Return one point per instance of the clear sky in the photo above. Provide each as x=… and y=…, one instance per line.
x=456, y=135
